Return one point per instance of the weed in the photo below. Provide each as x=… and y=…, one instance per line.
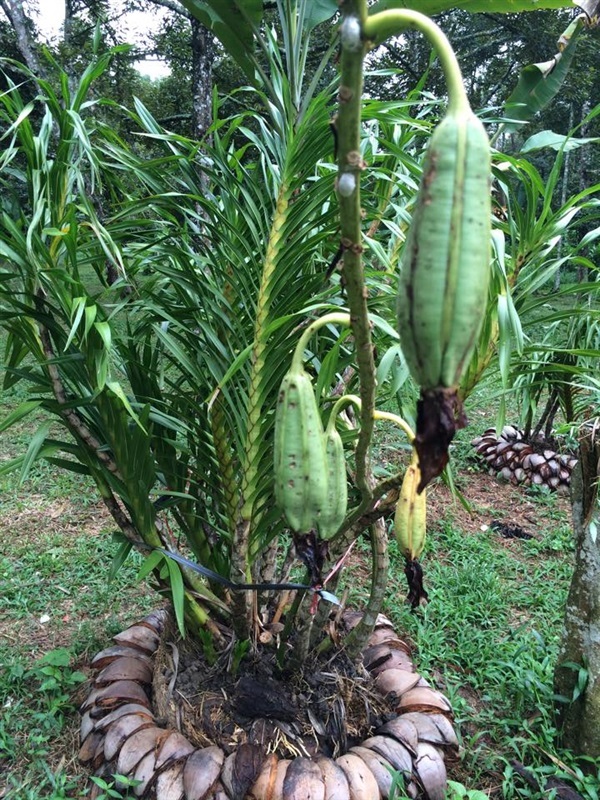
x=117, y=788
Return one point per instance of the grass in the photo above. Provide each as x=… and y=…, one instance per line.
x=488, y=637
x=58, y=609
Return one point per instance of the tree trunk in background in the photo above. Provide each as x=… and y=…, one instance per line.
x=68, y=23
x=580, y=720
x=203, y=50
x=202, y=60
x=21, y=24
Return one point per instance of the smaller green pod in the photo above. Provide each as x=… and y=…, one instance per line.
x=299, y=458
x=334, y=511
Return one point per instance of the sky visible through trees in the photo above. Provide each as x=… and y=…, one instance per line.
x=138, y=24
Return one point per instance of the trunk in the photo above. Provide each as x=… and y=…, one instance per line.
x=202, y=60
x=23, y=29
x=579, y=716
x=68, y=24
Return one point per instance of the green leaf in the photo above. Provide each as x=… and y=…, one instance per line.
x=540, y=83
x=60, y=657
x=77, y=310
x=177, y=594
x=234, y=23
x=20, y=411
x=318, y=11
x=33, y=451
x=556, y=141
x=119, y=559
x=117, y=390
x=103, y=329
x=149, y=564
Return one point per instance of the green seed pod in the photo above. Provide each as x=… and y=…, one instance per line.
x=444, y=279
x=334, y=511
x=300, y=461
x=446, y=264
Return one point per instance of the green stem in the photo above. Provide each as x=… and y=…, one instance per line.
x=350, y=165
x=341, y=402
x=397, y=420
x=334, y=318
x=391, y=23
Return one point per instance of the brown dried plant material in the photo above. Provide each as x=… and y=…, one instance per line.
x=88, y=724
x=424, y=698
x=169, y=784
x=403, y=730
x=125, y=669
x=174, y=748
x=397, y=681
x=431, y=771
x=303, y=780
x=430, y=731
x=98, y=759
x=439, y=415
x=361, y=781
x=136, y=746
x=264, y=785
x=241, y=769
x=201, y=772
x=89, y=746
x=379, y=766
x=381, y=635
x=334, y=779
x=122, y=711
x=110, y=654
x=140, y=637
x=282, y=768
x=389, y=655
x=121, y=730
x=114, y=695
x=145, y=772
x=392, y=750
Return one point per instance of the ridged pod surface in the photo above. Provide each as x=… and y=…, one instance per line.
x=336, y=503
x=446, y=264
x=300, y=461
x=443, y=286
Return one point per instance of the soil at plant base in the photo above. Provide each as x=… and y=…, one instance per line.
x=329, y=708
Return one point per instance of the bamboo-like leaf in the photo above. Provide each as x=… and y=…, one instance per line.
x=540, y=83
x=317, y=12
x=34, y=449
x=177, y=593
x=149, y=564
x=234, y=23
x=555, y=141
x=119, y=559
x=19, y=413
